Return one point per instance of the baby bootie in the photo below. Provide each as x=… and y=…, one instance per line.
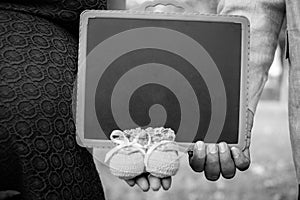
x=161, y=159
x=126, y=160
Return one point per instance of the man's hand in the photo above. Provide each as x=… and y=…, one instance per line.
x=147, y=181
x=216, y=159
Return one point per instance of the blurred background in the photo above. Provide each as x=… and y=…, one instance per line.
x=271, y=175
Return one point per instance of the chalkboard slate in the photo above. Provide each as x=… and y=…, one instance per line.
x=187, y=72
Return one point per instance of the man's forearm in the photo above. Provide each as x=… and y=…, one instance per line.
x=265, y=18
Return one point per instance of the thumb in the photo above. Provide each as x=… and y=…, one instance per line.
x=249, y=125
x=246, y=153
x=241, y=158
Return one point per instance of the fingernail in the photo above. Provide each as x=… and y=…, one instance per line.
x=222, y=147
x=235, y=152
x=200, y=145
x=201, y=149
x=212, y=148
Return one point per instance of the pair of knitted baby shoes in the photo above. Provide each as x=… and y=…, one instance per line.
x=152, y=150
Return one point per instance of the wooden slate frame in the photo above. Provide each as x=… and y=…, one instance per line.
x=145, y=15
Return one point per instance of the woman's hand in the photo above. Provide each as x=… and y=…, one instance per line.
x=146, y=181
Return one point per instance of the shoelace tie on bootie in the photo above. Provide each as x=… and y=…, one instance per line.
x=119, y=137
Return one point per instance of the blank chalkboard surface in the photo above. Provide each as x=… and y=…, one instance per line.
x=187, y=72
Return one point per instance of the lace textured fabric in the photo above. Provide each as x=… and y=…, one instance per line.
x=39, y=156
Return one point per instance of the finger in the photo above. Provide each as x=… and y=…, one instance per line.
x=197, y=160
x=142, y=182
x=241, y=159
x=212, y=166
x=166, y=183
x=249, y=125
x=155, y=183
x=130, y=182
x=226, y=162
x=8, y=194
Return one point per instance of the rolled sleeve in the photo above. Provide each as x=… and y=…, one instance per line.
x=265, y=18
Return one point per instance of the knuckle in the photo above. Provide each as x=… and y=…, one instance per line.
x=212, y=177
x=226, y=159
x=213, y=161
x=212, y=173
x=244, y=165
x=196, y=167
x=229, y=174
x=229, y=169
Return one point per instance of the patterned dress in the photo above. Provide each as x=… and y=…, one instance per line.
x=39, y=156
